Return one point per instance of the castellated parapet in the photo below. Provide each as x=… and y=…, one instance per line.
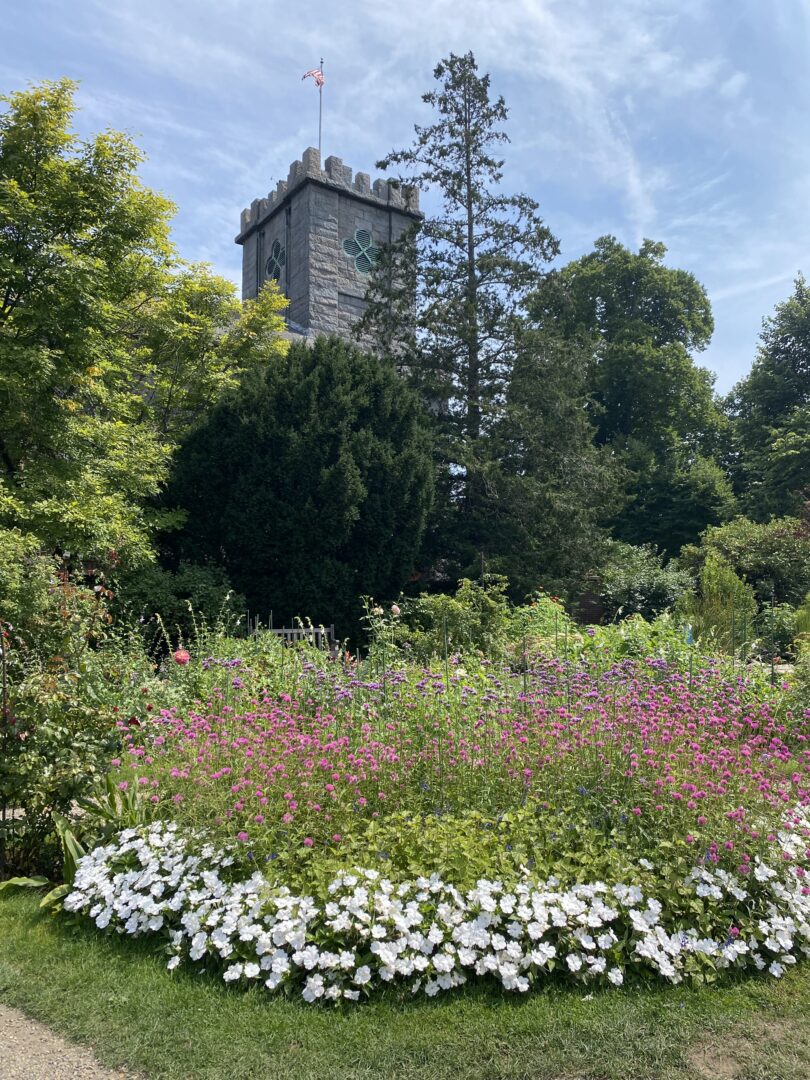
x=319, y=234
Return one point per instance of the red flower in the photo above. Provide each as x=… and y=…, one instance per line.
x=182, y=656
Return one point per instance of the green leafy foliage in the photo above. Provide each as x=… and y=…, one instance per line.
x=627, y=296
x=672, y=499
x=541, y=626
x=775, y=627
x=109, y=346
x=773, y=557
x=23, y=883
x=321, y=474
x=636, y=580
x=56, y=737
x=72, y=850
x=654, y=406
x=476, y=625
x=665, y=638
x=724, y=609
x=801, y=620
x=65, y=678
x=108, y=809
x=85, y=243
x=51, y=618
x=472, y=622
x=769, y=410
x=170, y=604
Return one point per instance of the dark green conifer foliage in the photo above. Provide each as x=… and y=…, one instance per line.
x=311, y=485
x=452, y=316
x=550, y=487
x=771, y=414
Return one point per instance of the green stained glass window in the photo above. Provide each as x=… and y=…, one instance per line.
x=275, y=264
x=362, y=249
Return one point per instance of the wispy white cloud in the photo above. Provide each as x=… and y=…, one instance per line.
x=683, y=120
x=753, y=285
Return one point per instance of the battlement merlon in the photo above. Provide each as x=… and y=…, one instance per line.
x=337, y=176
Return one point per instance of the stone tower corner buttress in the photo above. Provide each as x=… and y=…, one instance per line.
x=319, y=234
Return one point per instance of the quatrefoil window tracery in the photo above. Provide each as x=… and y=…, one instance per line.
x=362, y=249
x=275, y=264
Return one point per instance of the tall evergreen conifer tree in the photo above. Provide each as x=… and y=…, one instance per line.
x=447, y=300
x=551, y=487
x=771, y=414
x=310, y=484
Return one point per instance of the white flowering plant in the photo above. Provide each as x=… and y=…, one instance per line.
x=367, y=931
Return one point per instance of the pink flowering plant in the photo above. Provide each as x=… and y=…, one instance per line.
x=571, y=818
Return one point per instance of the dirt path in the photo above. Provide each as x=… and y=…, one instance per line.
x=29, y=1051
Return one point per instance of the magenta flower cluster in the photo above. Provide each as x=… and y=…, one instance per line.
x=701, y=760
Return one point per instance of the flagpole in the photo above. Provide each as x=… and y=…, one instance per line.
x=320, y=111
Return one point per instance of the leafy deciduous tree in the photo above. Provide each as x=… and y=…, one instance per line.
x=771, y=413
x=654, y=406
x=109, y=346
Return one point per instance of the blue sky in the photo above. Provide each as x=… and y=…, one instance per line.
x=680, y=120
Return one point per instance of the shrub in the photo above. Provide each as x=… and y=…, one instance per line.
x=665, y=638
x=321, y=473
x=57, y=726
x=773, y=557
x=542, y=626
x=724, y=609
x=48, y=612
x=434, y=625
x=775, y=628
x=179, y=599
x=635, y=580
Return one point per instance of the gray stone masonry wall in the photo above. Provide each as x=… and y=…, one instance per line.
x=311, y=215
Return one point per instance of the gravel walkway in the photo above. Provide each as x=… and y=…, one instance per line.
x=29, y=1051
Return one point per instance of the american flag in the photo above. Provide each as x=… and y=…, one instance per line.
x=315, y=74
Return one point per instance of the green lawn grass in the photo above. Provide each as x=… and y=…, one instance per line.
x=116, y=996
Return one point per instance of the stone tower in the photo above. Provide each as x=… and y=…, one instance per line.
x=319, y=234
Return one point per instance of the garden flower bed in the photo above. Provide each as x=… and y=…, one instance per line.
x=573, y=820
x=426, y=933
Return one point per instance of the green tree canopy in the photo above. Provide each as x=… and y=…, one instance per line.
x=627, y=296
x=773, y=557
x=770, y=411
x=547, y=479
x=653, y=406
x=109, y=345
x=318, y=472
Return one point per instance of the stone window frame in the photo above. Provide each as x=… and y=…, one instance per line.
x=362, y=250
x=276, y=260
